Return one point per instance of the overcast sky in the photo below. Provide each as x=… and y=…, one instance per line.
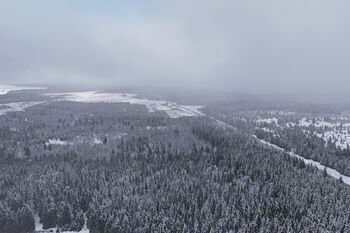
x=245, y=45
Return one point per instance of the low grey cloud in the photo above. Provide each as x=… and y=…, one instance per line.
x=253, y=46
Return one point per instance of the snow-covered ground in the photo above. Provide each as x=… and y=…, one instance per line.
x=337, y=130
x=156, y=127
x=17, y=106
x=92, y=139
x=76, y=141
x=38, y=226
x=172, y=109
x=4, y=89
x=274, y=133
x=318, y=123
x=97, y=141
x=55, y=141
x=330, y=171
x=82, y=231
x=340, y=138
x=54, y=230
x=267, y=120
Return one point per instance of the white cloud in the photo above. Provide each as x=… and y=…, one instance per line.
x=240, y=45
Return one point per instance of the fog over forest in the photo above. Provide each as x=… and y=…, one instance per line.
x=277, y=47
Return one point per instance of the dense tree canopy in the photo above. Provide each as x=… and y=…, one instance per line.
x=227, y=182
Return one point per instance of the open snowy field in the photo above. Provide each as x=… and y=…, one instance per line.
x=174, y=110
x=17, y=106
x=4, y=88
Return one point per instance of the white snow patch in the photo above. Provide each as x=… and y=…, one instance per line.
x=55, y=141
x=97, y=141
x=14, y=129
x=17, y=106
x=37, y=224
x=318, y=123
x=4, y=89
x=82, y=231
x=305, y=122
x=322, y=124
x=54, y=230
x=172, y=109
x=120, y=135
x=267, y=120
x=92, y=140
x=156, y=127
x=336, y=132
x=290, y=124
x=340, y=138
x=266, y=130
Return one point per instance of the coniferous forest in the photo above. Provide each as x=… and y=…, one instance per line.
x=226, y=181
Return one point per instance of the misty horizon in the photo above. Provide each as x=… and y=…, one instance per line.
x=279, y=47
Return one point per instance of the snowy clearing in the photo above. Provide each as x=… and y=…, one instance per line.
x=4, y=89
x=54, y=230
x=77, y=140
x=336, y=130
x=38, y=226
x=55, y=141
x=172, y=109
x=341, y=139
x=267, y=120
x=17, y=106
